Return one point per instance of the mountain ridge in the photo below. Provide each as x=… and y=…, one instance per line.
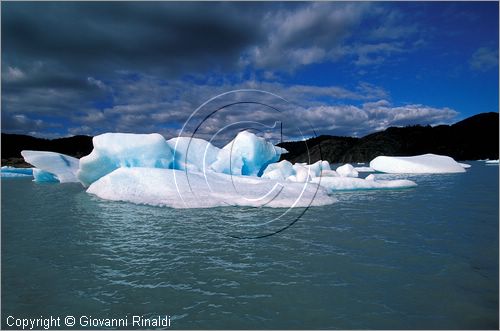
x=473, y=138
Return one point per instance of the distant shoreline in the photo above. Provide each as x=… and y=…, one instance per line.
x=474, y=138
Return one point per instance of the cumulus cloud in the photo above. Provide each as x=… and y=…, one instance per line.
x=375, y=116
x=144, y=103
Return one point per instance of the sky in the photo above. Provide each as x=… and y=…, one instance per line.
x=338, y=68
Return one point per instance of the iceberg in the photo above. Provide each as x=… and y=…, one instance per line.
x=114, y=150
x=63, y=167
x=279, y=171
x=247, y=154
x=491, y=161
x=347, y=170
x=42, y=176
x=179, y=189
x=427, y=163
x=370, y=183
x=192, y=154
x=186, y=172
x=298, y=172
x=465, y=165
x=364, y=169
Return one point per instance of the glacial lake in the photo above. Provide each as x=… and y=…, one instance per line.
x=419, y=258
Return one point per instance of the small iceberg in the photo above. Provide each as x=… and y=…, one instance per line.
x=347, y=170
x=370, y=183
x=364, y=169
x=62, y=167
x=492, y=162
x=420, y=164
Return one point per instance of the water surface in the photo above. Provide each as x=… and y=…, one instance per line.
x=423, y=258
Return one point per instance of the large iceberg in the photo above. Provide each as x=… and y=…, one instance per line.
x=179, y=189
x=247, y=154
x=62, y=167
x=188, y=172
x=114, y=150
x=427, y=163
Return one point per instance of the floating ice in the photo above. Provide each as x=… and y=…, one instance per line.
x=465, y=165
x=364, y=169
x=427, y=163
x=370, y=177
x=491, y=161
x=42, y=176
x=11, y=172
x=349, y=183
x=115, y=150
x=347, y=170
x=315, y=169
x=298, y=172
x=192, y=154
x=279, y=171
x=247, y=154
x=329, y=173
x=178, y=189
x=63, y=167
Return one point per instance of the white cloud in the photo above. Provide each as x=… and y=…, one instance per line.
x=13, y=74
x=484, y=59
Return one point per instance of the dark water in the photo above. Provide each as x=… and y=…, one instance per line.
x=418, y=258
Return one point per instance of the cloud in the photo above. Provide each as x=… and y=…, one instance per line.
x=144, y=103
x=484, y=59
x=102, y=37
x=13, y=74
x=375, y=116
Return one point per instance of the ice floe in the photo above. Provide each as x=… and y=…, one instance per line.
x=178, y=189
x=427, y=163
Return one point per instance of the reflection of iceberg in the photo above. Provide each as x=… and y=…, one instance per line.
x=62, y=167
x=427, y=163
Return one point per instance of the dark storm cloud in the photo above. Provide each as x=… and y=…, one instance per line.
x=92, y=67
x=105, y=36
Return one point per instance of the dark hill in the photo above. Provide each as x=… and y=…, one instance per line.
x=13, y=144
x=473, y=138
